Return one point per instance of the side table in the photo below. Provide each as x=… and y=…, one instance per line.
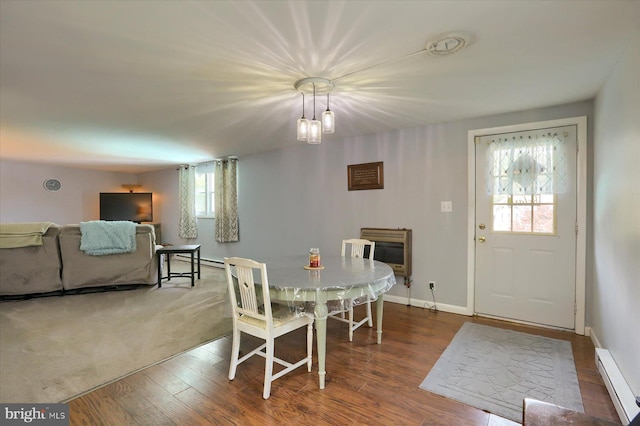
x=168, y=250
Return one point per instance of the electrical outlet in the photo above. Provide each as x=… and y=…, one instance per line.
x=432, y=285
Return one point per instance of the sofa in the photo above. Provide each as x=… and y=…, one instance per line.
x=58, y=265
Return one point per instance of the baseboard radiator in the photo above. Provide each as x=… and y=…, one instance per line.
x=210, y=262
x=623, y=398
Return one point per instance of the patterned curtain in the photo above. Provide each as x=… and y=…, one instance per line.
x=527, y=164
x=188, y=225
x=226, y=200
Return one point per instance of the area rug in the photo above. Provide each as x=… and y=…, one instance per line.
x=494, y=369
x=53, y=349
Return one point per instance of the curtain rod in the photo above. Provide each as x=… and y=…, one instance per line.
x=230, y=158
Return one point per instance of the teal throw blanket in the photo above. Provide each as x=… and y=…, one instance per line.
x=101, y=237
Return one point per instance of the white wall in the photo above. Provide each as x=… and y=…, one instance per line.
x=164, y=186
x=297, y=198
x=616, y=292
x=24, y=199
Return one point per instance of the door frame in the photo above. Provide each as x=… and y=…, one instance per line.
x=581, y=208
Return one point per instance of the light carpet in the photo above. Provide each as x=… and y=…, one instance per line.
x=53, y=349
x=494, y=369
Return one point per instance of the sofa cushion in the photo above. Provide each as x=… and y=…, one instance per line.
x=83, y=270
x=32, y=270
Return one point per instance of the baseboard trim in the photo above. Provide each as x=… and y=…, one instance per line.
x=453, y=309
x=594, y=338
x=621, y=394
x=206, y=261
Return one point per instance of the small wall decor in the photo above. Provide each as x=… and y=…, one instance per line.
x=365, y=176
x=52, y=185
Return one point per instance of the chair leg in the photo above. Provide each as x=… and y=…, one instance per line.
x=268, y=368
x=369, y=313
x=235, y=353
x=309, y=345
x=351, y=324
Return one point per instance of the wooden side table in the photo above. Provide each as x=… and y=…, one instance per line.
x=168, y=250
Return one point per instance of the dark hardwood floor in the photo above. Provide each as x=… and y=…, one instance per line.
x=366, y=383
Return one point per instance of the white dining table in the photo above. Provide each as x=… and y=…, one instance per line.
x=341, y=283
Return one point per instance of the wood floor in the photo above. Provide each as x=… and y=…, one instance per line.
x=367, y=384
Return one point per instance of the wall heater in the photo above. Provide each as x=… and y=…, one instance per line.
x=621, y=394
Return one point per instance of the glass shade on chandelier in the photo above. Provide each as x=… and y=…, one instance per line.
x=303, y=129
x=328, y=120
x=315, y=127
x=315, y=131
x=311, y=130
x=303, y=125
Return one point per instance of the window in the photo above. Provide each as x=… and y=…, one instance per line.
x=524, y=214
x=526, y=171
x=205, y=191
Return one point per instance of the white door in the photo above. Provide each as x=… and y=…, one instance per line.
x=525, y=242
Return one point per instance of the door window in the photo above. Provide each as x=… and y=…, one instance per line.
x=524, y=214
x=525, y=173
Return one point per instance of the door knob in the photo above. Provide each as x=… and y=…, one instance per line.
x=482, y=239
x=481, y=226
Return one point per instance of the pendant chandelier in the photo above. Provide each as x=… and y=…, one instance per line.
x=311, y=131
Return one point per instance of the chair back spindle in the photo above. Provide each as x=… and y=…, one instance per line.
x=358, y=246
x=247, y=287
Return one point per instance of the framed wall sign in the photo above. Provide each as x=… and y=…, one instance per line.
x=365, y=176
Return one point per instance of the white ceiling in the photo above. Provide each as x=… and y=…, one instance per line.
x=141, y=85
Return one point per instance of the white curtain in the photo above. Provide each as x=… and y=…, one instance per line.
x=226, y=200
x=188, y=225
x=527, y=164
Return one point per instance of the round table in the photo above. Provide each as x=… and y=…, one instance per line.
x=342, y=282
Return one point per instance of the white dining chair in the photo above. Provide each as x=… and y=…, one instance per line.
x=254, y=314
x=357, y=248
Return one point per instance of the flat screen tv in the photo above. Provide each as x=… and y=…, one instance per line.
x=134, y=206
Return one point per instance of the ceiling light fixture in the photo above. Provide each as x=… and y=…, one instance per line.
x=311, y=130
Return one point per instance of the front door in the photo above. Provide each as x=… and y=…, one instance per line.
x=525, y=242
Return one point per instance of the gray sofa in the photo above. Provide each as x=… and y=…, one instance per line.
x=58, y=265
